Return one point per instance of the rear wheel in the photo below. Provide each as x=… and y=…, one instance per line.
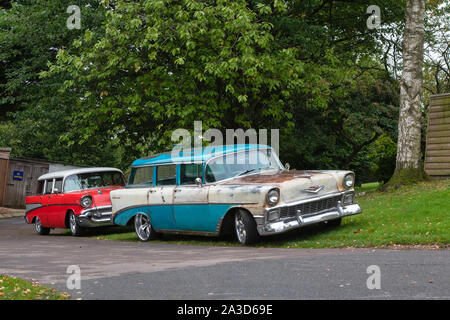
x=245, y=227
x=40, y=229
x=143, y=228
x=74, y=225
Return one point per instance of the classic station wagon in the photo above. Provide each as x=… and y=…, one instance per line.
x=74, y=199
x=233, y=188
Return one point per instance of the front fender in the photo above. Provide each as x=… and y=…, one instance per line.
x=124, y=217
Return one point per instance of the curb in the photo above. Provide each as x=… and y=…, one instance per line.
x=11, y=215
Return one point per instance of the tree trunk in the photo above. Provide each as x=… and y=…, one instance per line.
x=408, y=146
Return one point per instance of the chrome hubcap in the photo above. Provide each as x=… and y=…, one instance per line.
x=142, y=226
x=38, y=225
x=73, y=223
x=240, y=228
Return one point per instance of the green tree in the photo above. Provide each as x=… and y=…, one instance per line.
x=161, y=65
x=116, y=89
x=34, y=114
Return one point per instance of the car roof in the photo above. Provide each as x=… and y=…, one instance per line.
x=197, y=155
x=65, y=173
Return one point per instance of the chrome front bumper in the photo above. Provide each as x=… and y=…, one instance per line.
x=283, y=225
x=95, y=217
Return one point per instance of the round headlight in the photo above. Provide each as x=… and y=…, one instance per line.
x=86, y=201
x=273, y=196
x=349, y=180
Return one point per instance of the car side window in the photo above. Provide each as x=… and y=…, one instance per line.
x=215, y=173
x=190, y=172
x=166, y=175
x=142, y=175
x=58, y=185
x=48, y=186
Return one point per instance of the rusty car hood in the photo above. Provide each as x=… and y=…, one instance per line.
x=293, y=184
x=277, y=176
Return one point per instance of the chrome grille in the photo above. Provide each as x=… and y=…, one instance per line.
x=310, y=207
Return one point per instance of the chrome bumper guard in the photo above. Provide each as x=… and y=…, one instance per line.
x=95, y=217
x=283, y=225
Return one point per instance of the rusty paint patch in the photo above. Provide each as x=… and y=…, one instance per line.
x=271, y=177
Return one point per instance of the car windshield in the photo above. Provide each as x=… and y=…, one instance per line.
x=93, y=180
x=242, y=163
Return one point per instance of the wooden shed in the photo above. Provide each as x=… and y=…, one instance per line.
x=437, y=155
x=18, y=177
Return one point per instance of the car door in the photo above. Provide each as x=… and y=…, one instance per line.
x=46, y=201
x=58, y=207
x=52, y=204
x=190, y=201
x=160, y=198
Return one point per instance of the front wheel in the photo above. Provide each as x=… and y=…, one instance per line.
x=40, y=229
x=143, y=228
x=74, y=226
x=245, y=228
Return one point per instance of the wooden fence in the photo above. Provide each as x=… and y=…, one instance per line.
x=437, y=156
x=4, y=165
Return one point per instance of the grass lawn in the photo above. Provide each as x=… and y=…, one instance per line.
x=413, y=215
x=12, y=288
x=368, y=187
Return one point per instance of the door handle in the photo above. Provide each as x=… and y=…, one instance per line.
x=148, y=193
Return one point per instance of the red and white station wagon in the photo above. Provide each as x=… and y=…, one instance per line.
x=75, y=199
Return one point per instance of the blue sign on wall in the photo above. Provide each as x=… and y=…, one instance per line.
x=18, y=175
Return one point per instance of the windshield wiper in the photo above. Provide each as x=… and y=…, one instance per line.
x=244, y=172
x=250, y=170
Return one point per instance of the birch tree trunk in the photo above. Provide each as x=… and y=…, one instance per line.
x=408, y=146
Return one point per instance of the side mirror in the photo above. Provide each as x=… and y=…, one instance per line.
x=287, y=166
x=198, y=182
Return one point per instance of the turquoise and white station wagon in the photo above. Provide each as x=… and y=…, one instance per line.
x=223, y=189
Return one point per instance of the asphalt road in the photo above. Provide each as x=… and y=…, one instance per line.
x=122, y=270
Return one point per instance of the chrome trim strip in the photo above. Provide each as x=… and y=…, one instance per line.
x=32, y=206
x=314, y=191
x=52, y=205
x=183, y=204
